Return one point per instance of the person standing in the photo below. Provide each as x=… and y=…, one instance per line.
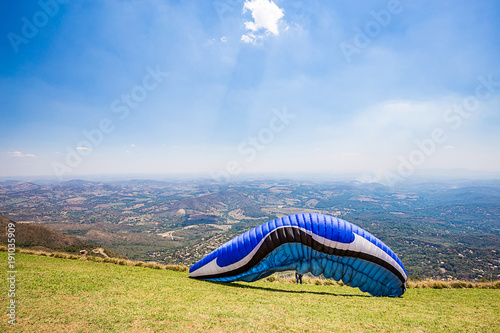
x=298, y=277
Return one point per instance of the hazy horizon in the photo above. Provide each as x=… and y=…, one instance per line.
x=421, y=176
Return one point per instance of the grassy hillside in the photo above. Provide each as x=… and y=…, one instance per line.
x=35, y=236
x=60, y=295
x=28, y=234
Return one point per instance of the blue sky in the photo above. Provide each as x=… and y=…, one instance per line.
x=229, y=88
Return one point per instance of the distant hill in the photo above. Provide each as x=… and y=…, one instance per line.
x=29, y=235
x=14, y=186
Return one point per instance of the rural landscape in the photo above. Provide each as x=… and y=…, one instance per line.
x=442, y=230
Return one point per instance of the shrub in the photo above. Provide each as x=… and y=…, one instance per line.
x=458, y=284
x=177, y=268
x=271, y=278
x=437, y=285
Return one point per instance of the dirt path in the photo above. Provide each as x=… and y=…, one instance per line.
x=168, y=234
x=100, y=250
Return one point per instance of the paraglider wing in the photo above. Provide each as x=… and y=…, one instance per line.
x=314, y=243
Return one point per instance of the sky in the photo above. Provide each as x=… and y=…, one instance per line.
x=380, y=89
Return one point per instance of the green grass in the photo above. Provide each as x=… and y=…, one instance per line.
x=61, y=295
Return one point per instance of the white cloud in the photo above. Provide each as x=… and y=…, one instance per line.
x=83, y=148
x=223, y=39
x=266, y=16
x=250, y=38
x=19, y=154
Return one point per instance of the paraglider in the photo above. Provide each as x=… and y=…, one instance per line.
x=314, y=243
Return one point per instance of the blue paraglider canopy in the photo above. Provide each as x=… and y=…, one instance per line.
x=314, y=243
